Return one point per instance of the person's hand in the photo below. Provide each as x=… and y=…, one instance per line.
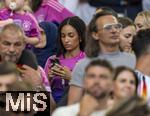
x=50, y=74
x=31, y=75
x=61, y=71
x=88, y=105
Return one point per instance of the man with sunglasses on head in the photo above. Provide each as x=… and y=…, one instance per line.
x=102, y=43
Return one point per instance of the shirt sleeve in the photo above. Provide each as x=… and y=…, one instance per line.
x=45, y=80
x=3, y=14
x=78, y=75
x=35, y=29
x=47, y=65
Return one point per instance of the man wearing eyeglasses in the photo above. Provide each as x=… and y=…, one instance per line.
x=102, y=43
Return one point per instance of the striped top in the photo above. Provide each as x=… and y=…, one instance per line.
x=143, y=86
x=52, y=11
x=54, y=4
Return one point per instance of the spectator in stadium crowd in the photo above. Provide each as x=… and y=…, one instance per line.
x=102, y=43
x=48, y=43
x=71, y=42
x=13, y=49
x=125, y=85
x=50, y=31
x=98, y=84
x=14, y=13
x=142, y=20
x=127, y=33
x=141, y=47
x=50, y=11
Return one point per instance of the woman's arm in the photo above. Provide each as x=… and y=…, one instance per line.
x=5, y=22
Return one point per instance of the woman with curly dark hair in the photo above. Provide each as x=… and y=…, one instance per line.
x=71, y=40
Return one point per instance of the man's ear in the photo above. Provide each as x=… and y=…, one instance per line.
x=95, y=35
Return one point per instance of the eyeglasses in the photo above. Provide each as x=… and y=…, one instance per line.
x=109, y=27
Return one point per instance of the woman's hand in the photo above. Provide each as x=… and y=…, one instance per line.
x=50, y=74
x=61, y=71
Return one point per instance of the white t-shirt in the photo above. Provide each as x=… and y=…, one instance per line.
x=73, y=110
